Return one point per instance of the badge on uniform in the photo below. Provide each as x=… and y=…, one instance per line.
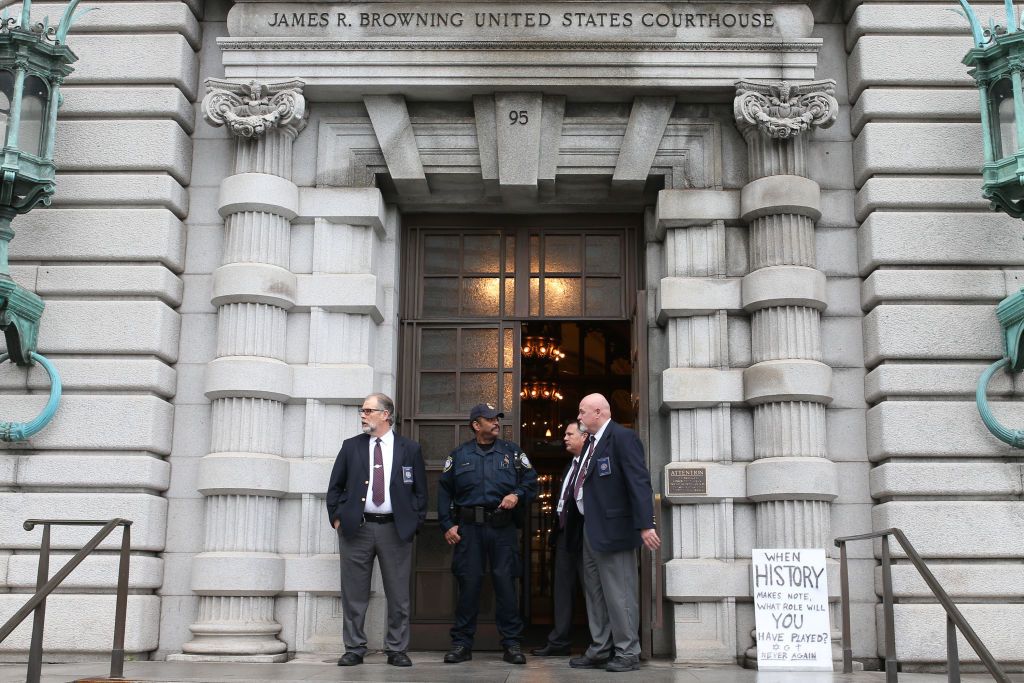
x=604, y=466
x=406, y=475
x=448, y=463
x=504, y=462
x=524, y=461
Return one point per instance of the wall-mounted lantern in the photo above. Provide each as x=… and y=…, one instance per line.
x=996, y=61
x=34, y=60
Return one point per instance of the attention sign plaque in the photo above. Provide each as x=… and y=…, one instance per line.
x=688, y=481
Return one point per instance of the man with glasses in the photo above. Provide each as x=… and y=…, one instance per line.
x=377, y=500
x=568, y=542
x=485, y=483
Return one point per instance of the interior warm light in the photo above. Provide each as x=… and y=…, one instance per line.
x=534, y=389
x=542, y=347
x=547, y=433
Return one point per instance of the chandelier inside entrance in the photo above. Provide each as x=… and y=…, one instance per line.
x=541, y=391
x=542, y=347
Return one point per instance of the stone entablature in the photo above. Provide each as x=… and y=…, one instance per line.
x=580, y=48
x=536, y=21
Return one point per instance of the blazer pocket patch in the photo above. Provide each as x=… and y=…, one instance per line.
x=406, y=474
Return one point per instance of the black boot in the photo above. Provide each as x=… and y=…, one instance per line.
x=458, y=653
x=514, y=655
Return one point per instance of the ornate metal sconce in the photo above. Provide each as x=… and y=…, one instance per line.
x=996, y=61
x=34, y=61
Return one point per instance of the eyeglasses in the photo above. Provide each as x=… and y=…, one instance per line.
x=367, y=411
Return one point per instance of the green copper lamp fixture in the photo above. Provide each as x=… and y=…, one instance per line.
x=34, y=60
x=996, y=62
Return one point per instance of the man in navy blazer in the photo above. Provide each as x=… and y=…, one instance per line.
x=613, y=493
x=377, y=500
x=567, y=541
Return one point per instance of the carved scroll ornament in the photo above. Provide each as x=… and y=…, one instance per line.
x=251, y=109
x=782, y=110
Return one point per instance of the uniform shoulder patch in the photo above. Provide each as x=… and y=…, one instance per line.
x=524, y=461
x=448, y=463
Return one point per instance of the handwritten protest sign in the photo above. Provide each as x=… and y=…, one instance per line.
x=791, y=610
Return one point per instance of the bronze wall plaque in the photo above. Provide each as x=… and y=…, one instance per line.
x=688, y=481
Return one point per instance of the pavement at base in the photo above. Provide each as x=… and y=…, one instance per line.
x=486, y=667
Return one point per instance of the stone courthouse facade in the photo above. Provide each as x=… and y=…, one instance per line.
x=771, y=213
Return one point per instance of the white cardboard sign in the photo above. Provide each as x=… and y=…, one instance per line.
x=791, y=610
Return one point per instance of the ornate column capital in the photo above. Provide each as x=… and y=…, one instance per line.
x=782, y=110
x=250, y=110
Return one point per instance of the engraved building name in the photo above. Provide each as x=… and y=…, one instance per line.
x=534, y=21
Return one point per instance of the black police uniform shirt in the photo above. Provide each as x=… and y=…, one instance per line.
x=476, y=475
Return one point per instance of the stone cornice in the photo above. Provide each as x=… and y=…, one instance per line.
x=251, y=109
x=783, y=110
x=301, y=44
x=350, y=69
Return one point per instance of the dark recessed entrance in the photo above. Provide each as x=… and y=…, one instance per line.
x=485, y=300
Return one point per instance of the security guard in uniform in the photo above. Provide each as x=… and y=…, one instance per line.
x=486, y=483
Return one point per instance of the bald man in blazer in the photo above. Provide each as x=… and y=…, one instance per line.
x=613, y=493
x=377, y=500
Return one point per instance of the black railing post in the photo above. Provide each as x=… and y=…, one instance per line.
x=844, y=586
x=35, y=650
x=891, y=670
x=121, y=608
x=955, y=619
x=952, y=656
x=45, y=586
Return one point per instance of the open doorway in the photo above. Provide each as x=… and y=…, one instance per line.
x=561, y=363
x=476, y=290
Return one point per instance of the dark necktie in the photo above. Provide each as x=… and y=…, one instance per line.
x=570, y=486
x=584, y=465
x=378, y=475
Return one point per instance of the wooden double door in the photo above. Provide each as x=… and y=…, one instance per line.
x=475, y=290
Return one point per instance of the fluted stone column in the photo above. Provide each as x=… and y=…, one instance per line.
x=791, y=480
x=240, y=571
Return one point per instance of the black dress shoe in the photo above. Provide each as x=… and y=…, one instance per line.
x=458, y=653
x=620, y=663
x=514, y=655
x=399, y=659
x=585, y=662
x=550, y=651
x=350, y=659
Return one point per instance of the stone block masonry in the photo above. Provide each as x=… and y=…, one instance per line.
x=934, y=262
x=106, y=258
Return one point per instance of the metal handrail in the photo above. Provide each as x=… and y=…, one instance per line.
x=954, y=619
x=43, y=588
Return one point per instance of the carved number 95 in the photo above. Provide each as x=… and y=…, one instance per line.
x=522, y=117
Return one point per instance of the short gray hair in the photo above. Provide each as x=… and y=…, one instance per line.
x=385, y=403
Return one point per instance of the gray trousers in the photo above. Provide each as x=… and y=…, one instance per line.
x=395, y=556
x=610, y=584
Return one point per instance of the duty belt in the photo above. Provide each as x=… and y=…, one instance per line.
x=478, y=514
